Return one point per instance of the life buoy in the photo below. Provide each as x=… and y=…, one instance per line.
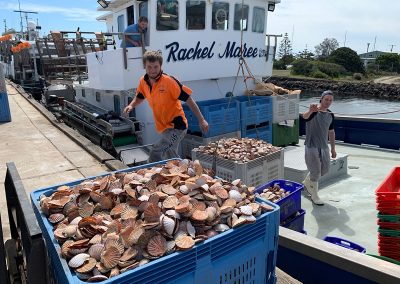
x=220, y=16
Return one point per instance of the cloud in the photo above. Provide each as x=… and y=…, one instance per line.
x=69, y=14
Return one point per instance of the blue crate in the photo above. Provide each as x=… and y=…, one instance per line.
x=263, y=132
x=222, y=115
x=296, y=222
x=254, y=110
x=5, y=115
x=290, y=204
x=345, y=243
x=246, y=254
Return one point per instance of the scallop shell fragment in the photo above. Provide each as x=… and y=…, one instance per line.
x=88, y=266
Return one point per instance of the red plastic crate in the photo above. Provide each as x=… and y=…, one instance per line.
x=389, y=189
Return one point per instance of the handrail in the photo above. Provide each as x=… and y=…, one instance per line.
x=24, y=227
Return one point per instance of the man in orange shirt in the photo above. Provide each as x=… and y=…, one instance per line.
x=164, y=93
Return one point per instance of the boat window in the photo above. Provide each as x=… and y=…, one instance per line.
x=220, y=16
x=258, y=20
x=195, y=15
x=120, y=25
x=98, y=97
x=167, y=15
x=143, y=9
x=130, y=15
x=239, y=23
x=83, y=93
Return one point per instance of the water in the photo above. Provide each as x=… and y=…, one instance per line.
x=356, y=106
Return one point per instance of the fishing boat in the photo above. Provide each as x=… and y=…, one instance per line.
x=219, y=49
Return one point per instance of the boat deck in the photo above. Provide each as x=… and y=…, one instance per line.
x=350, y=208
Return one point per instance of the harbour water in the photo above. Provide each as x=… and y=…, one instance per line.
x=356, y=106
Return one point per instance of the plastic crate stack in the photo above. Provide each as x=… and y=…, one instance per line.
x=285, y=108
x=255, y=117
x=223, y=118
x=251, y=173
x=246, y=254
x=388, y=205
x=291, y=216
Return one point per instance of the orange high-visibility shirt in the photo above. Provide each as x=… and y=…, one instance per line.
x=164, y=99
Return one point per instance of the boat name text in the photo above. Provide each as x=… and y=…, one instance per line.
x=232, y=50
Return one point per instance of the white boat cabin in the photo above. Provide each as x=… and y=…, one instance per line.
x=200, y=42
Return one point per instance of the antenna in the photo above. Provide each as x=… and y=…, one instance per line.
x=26, y=16
x=345, y=38
x=5, y=25
x=391, y=47
x=368, y=46
x=374, y=42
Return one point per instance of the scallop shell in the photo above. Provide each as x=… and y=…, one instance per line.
x=76, y=220
x=110, y=257
x=221, y=228
x=170, y=246
x=234, y=194
x=70, y=231
x=56, y=218
x=184, y=189
x=135, y=235
x=157, y=246
x=129, y=254
x=143, y=262
x=170, y=202
x=184, y=242
x=211, y=213
x=249, y=218
x=97, y=278
x=129, y=212
x=173, y=213
x=199, y=215
x=106, y=202
x=246, y=210
x=96, y=239
x=190, y=229
x=168, y=225
x=238, y=222
x=88, y=266
x=115, y=243
x=78, y=260
x=168, y=189
x=86, y=209
x=96, y=250
x=152, y=213
x=65, y=249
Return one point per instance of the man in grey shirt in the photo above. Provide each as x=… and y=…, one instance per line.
x=319, y=127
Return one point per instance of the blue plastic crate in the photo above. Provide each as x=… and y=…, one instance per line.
x=263, y=132
x=296, y=222
x=5, y=115
x=222, y=115
x=254, y=110
x=345, y=243
x=246, y=254
x=290, y=204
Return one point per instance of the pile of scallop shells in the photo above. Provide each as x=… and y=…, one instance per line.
x=274, y=193
x=121, y=221
x=239, y=149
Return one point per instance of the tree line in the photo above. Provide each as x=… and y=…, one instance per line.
x=331, y=61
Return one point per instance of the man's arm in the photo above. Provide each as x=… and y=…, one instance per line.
x=195, y=109
x=332, y=137
x=313, y=108
x=136, y=101
x=127, y=38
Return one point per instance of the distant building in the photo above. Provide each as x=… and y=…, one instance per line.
x=370, y=57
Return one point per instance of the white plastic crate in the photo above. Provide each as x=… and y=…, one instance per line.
x=252, y=173
x=285, y=107
x=191, y=141
x=296, y=168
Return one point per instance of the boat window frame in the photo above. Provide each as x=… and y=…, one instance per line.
x=223, y=12
x=175, y=22
x=83, y=94
x=239, y=20
x=119, y=28
x=253, y=23
x=204, y=18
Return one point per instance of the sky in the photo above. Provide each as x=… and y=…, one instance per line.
x=353, y=23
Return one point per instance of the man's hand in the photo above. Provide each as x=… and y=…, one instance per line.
x=204, y=126
x=127, y=110
x=313, y=108
x=333, y=153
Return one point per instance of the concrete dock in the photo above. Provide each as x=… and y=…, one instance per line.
x=43, y=154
